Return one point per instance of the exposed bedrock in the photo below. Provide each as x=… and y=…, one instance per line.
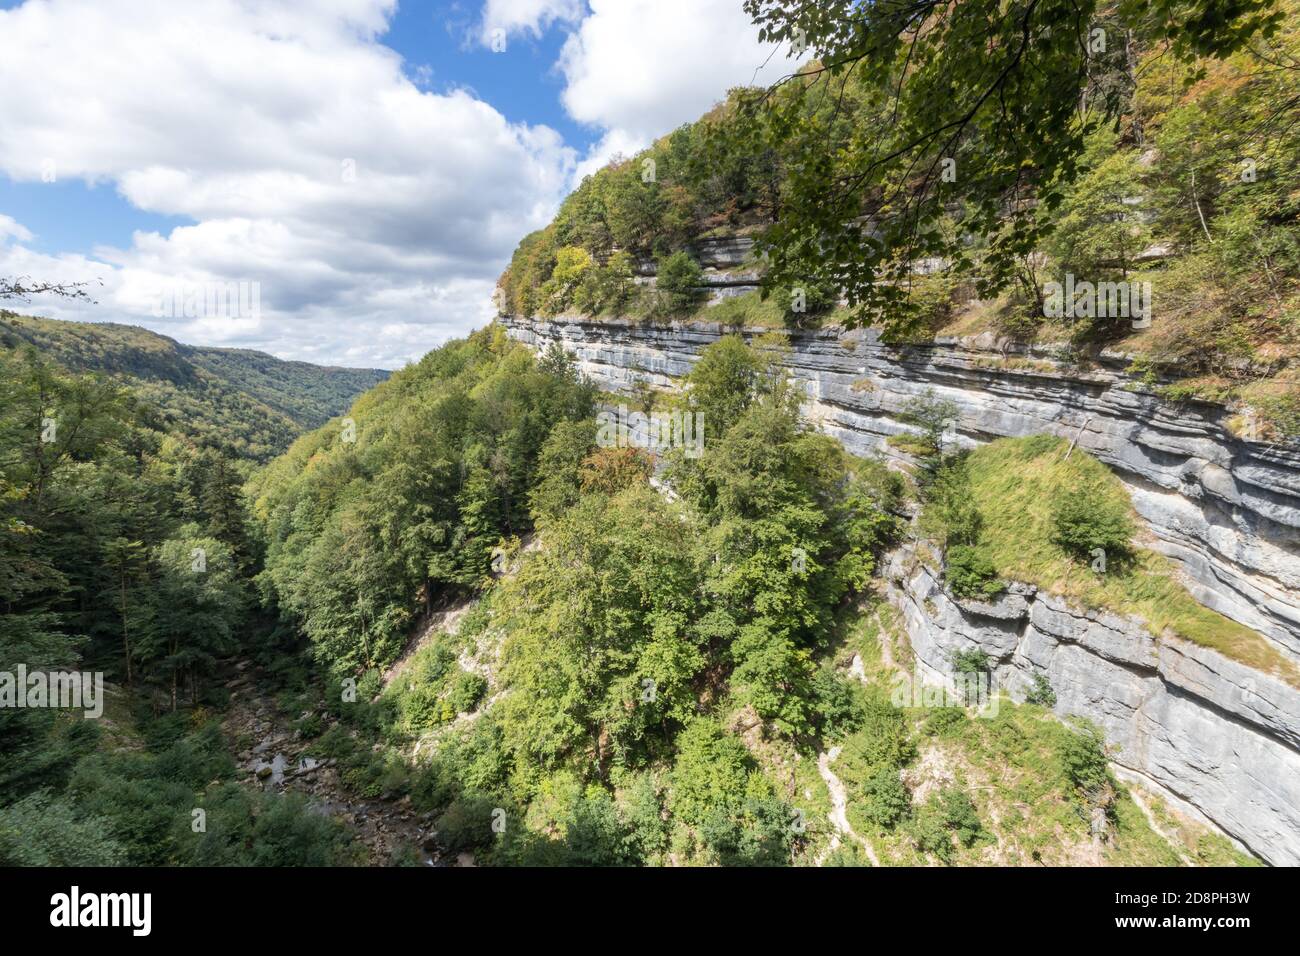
x=1221, y=740
x=1227, y=510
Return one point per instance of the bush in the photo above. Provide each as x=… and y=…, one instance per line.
x=310, y=727
x=945, y=721
x=1086, y=519
x=1041, y=693
x=837, y=702
x=973, y=661
x=466, y=691
x=970, y=574
x=808, y=299
x=882, y=740
x=930, y=835
x=678, y=281
x=960, y=816
x=885, y=801
x=467, y=824
x=947, y=814
x=42, y=830
x=1083, y=755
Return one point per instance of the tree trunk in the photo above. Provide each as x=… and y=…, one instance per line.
x=126, y=638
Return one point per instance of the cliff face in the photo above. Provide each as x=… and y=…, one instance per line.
x=1217, y=737
x=1227, y=510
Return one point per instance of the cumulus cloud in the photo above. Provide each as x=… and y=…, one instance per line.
x=372, y=215
x=639, y=68
x=533, y=17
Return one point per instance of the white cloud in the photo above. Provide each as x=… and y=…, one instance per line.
x=373, y=215
x=640, y=68
x=513, y=17
x=615, y=143
x=11, y=227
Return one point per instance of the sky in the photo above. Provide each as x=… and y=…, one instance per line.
x=335, y=181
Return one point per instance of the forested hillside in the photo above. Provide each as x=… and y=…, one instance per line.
x=249, y=402
x=453, y=616
x=643, y=676
x=127, y=552
x=635, y=675
x=1177, y=170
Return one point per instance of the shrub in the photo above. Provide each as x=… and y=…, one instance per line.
x=1083, y=755
x=882, y=740
x=466, y=691
x=945, y=721
x=973, y=661
x=1041, y=692
x=678, y=281
x=930, y=835
x=947, y=814
x=970, y=574
x=1087, y=518
x=42, y=830
x=466, y=824
x=885, y=801
x=960, y=816
x=311, y=726
x=837, y=702
x=806, y=300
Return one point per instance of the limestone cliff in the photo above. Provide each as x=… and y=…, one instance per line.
x=1227, y=510
x=1216, y=736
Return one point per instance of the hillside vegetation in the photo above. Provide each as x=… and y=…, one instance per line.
x=126, y=551
x=1191, y=185
x=636, y=677
x=640, y=678
x=250, y=402
x=1035, y=510
x=502, y=623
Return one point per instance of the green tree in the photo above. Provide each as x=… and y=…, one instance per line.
x=1091, y=517
x=197, y=606
x=958, y=99
x=678, y=284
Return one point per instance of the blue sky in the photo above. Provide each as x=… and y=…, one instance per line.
x=523, y=84
x=368, y=164
x=435, y=40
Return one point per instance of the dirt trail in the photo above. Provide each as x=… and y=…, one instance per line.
x=839, y=796
x=839, y=803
